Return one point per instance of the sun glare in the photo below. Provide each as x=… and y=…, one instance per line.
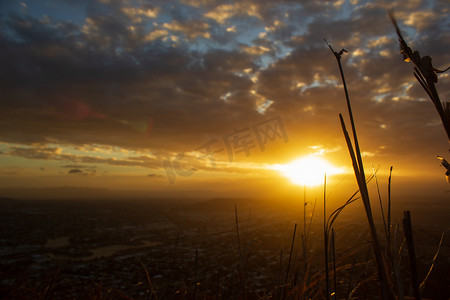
x=308, y=171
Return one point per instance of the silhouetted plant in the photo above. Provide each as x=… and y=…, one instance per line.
x=358, y=167
x=426, y=75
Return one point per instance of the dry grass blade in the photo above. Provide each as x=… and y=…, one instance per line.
x=149, y=281
x=368, y=279
x=336, y=213
x=350, y=282
x=49, y=287
x=422, y=285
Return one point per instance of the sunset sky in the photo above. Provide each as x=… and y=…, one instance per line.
x=203, y=97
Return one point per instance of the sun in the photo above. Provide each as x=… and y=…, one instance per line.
x=307, y=171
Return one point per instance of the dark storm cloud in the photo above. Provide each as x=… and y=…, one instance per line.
x=81, y=83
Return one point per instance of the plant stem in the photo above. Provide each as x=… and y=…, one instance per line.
x=407, y=229
x=325, y=238
x=361, y=179
x=289, y=264
x=366, y=201
x=334, y=263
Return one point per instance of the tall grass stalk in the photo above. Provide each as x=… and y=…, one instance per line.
x=396, y=265
x=389, y=211
x=381, y=206
x=325, y=238
x=310, y=220
x=393, y=259
x=407, y=229
x=382, y=274
x=240, y=265
x=196, y=283
x=305, y=234
x=358, y=168
x=237, y=232
x=333, y=245
x=283, y=293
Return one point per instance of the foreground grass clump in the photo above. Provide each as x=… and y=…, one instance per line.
x=387, y=263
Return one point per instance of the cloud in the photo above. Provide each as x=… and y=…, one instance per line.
x=156, y=34
x=46, y=153
x=190, y=29
x=199, y=3
x=83, y=172
x=225, y=12
x=79, y=83
x=136, y=14
x=154, y=175
x=75, y=171
x=78, y=167
x=255, y=50
x=421, y=20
